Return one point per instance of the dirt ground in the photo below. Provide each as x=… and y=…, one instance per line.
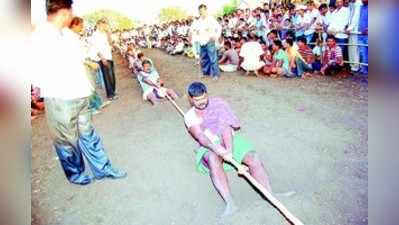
x=310, y=134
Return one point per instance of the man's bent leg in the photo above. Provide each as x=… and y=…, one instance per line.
x=219, y=180
x=257, y=170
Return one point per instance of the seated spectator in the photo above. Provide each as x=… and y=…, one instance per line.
x=292, y=54
x=268, y=60
x=251, y=52
x=151, y=84
x=179, y=47
x=230, y=60
x=332, y=58
x=318, y=52
x=271, y=36
x=306, y=62
x=280, y=66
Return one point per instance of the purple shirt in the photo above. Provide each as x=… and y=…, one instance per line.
x=216, y=118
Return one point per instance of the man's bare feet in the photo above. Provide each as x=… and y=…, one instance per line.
x=229, y=210
x=306, y=75
x=256, y=73
x=274, y=75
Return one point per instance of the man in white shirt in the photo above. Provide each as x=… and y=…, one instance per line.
x=60, y=74
x=312, y=17
x=353, y=30
x=101, y=41
x=209, y=32
x=338, y=23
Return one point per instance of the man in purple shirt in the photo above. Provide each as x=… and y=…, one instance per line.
x=211, y=122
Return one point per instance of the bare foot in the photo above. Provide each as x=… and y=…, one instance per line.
x=229, y=210
x=306, y=76
x=247, y=73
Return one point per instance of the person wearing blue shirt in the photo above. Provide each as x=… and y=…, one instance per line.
x=363, y=39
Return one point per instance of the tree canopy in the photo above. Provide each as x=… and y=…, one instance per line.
x=228, y=8
x=117, y=20
x=171, y=14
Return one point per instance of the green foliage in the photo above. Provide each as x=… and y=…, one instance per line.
x=228, y=8
x=116, y=20
x=171, y=14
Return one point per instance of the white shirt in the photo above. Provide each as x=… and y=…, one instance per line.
x=192, y=119
x=99, y=41
x=58, y=68
x=194, y=32
x=339, y=19
x=326, y=19
x=208, y=28
x=312, y=18
x=354, y=21
x=179, y=47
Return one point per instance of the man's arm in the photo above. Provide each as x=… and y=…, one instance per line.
x=148, y=81
x=224, y=57
x=197, y=133
x=227, y=139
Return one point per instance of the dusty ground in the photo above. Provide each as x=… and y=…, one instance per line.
x=311, y=135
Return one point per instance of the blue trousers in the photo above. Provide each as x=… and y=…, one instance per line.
x=74, y=136
x=303, y=67
x=95, y=101
x=363, y=52
x=209, y=59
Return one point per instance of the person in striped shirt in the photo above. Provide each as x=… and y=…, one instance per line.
x=306, y=62
x=332, y=58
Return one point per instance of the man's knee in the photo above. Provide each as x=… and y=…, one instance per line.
x=252, y=160
x=215, y=162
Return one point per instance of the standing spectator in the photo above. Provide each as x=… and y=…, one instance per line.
x=251, y=51
x=312, y=16
x=324, y=22
x=101, y=40
x=338, y=23
x=76, y=28
x=61, y=77
x=363, y=38
x=299, y=21
x=209, y=33
x=353, y=30
x=332, y=59
x=230, y=60
x=261, y=28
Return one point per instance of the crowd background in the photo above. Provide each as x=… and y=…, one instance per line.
x=290, y=39
x=296, y=39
